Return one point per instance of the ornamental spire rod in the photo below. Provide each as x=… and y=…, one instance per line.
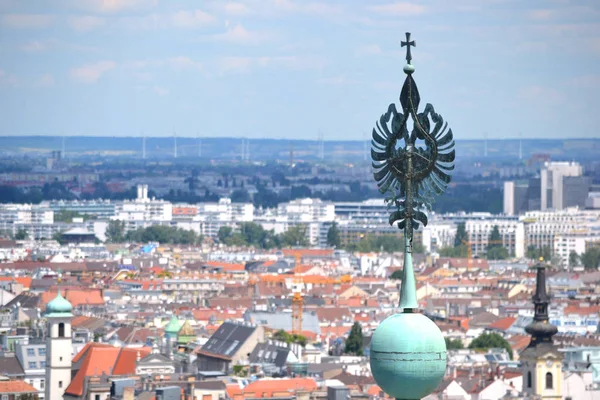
x=411, y=168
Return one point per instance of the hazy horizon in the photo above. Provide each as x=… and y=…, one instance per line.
x=291, y=69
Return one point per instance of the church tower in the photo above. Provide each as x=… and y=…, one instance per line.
x=541, y=362
x=59, y=347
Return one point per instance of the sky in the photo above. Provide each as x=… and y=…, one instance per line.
x=296, y=68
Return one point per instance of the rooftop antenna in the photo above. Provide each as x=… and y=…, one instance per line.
x=485, y=150
x=365, y=146
x=199, y=146
x=243, y=156
x=174, y=144
x=291, y=154
x=247, y=149
x=143, y=146
x=520, y=146
x=321, y=146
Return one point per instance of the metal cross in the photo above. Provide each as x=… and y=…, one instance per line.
x=408, y=43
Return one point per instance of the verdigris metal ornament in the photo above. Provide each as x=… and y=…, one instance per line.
x=411, y=168
x=408, y=351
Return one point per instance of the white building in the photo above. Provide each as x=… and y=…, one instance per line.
x=136, y=213
x=438, y=236
x=512, y=234
x=543, y=227
x=307, y=210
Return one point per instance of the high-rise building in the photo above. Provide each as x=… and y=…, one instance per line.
x=515, y=197
x=555, y=187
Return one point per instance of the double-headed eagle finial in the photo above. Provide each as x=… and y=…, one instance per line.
x=411, y=167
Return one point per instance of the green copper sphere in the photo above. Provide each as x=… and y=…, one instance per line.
x=408, y=356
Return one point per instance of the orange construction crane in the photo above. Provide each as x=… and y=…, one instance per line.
x=297, y=300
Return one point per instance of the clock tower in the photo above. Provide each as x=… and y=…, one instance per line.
x=541, y=362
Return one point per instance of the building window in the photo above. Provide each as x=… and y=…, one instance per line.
x=31, y=352
x=32, y=365
x=61, y=329
x=549, y=383
x=42, y=364
x=529, y=379
x=60, y=384
x=42, y=384
x=97, y=397
x=42, y=351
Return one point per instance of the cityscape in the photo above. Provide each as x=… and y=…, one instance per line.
x=393, y=255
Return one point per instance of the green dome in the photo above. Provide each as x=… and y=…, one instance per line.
x=408, y=356
x=173, y=326
x=59, y=307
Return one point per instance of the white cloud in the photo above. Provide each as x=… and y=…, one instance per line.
x=34, y=46
x=337, y=80
x=237, y=9
x=540, y=94
x=182, y=63
x=26, y=21
x=240, y=35
x=191, y=19
x=86, y=23
x=8, y=79
x=247, y=64
x=91, y=73
x=112, y=6
x=305, y=7
x=586, y=81
x=39, y=46
x=161, y=91
x=368, y=50
x=399, y=9
x=45, y=80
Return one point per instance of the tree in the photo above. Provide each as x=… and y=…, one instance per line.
x=454, y=344
x=491, y=341
x=591, y=258
x=496, y=253
x=534, y=253
x=283, y=336
x=573, y=259
x=21, y=234
x=295, y=236
x=58, y=236
x=461, y=235
x=461, y=251
x=333, y=236
x=396, y=275
x=115, y=232
x=240, y=196
x=354, y=343
x=224, y=233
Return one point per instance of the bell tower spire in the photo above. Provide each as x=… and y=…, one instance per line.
x=541, y=362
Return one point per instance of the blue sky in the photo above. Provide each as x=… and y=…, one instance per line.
x=294, y=68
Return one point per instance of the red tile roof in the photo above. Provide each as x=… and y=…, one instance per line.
x=10, y=387
x=100, y=358
x=271, y=388
x=502, y=324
